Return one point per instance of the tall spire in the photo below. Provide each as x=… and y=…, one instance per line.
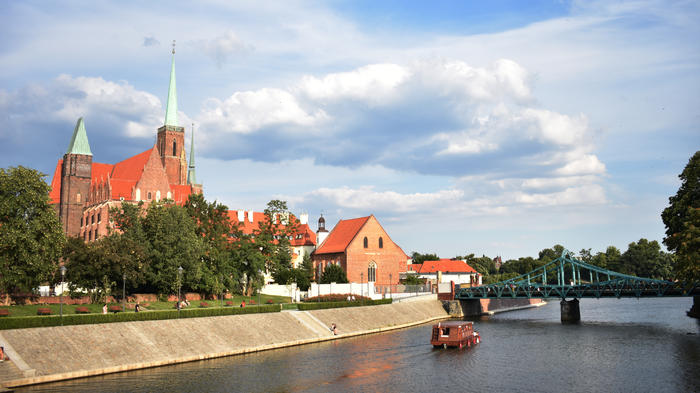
x=79, y=142
x=171, y=105
x=191, y=178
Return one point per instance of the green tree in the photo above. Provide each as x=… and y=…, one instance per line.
x=219, y=268
x=610, y=257
x=304, y=274
x=334, y=273
x=420, y=258
x=31, y=238
x=682, y=220
x=273, y=237
x=412, y=279
x=645, y=259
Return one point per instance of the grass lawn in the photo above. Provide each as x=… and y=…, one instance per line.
x=31, y=310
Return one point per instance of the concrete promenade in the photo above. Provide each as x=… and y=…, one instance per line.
x=41, y=355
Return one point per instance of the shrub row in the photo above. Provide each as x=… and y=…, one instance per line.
x=337, y=297
x=318, y=306
x=83, y=319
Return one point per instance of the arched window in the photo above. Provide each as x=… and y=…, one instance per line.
x=149, y=195
x=372, y=272
x=157, y=195
x=381, y=243
x=138, y=194
x=364, y=242
x=174, y=148
x=77, y=198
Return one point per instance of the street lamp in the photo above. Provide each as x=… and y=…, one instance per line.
x=362, y=284
x=179, y=284
x=63, y=279
x=123, y=292
x=391, y=293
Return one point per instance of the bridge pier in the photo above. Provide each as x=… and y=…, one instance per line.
x=570, y=311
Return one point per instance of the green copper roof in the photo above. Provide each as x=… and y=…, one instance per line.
x=79, y=142
x=171, y=105
x=191, y=178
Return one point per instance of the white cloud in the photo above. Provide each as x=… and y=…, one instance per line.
x=365, y=198
x=223, y=46
x=375, y=83
x=249, y=111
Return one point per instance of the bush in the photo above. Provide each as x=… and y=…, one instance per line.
x=203, y=304
x=43, y=311
x=4, y=312
x=84, y=319
x=252, y=301
x=337, y=297
x=269, y=301
x=322, y=305
x=82, y=310
x=115, y=309
x=229, y=303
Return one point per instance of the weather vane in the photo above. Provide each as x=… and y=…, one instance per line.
x=173, y=46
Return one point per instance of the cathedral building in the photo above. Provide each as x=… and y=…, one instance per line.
x=83, y=191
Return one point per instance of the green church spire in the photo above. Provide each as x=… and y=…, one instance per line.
x=171, y=105
x=79, y=142
x=191, y=178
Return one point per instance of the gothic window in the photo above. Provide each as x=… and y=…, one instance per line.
x=158, y=195
x=170, y=197
x=92, y=219
x=89, y=235
x=372, y=272
x=381, y=243
x=95, y=234
x=138, y=194
x=174, y=148
x=364, y=242
x=99, y=218
x=149, y=195
x=77, y=198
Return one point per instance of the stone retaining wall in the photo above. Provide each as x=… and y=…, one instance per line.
x=66, y=352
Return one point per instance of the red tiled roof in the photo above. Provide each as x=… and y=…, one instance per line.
x=181, y=192
x=445, y=266
x=122, y=189
x=132, y=167
x=100, y=172
x=341, y=235
x=55, y=193
x=307, y=238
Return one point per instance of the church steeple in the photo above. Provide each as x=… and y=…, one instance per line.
x=191, y=178
x=171, y=105
x=79, y=142
x=171, y=137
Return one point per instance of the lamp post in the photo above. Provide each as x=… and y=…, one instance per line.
x=362, y=284
x=391, y=292
x=123, y=292
x=63, y=279
x=179, y=284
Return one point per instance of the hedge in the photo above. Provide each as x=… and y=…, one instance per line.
x=84, y=319
x=322, y=305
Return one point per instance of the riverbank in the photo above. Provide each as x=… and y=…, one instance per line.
x=50, y=354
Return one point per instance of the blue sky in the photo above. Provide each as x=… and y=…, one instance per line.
x=495, y=128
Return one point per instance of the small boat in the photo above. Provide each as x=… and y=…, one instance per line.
x=454, y=334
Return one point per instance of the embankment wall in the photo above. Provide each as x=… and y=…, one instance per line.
x=65, y=352
x=477, y=307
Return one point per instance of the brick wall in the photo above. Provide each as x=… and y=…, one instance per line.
x=390, y=259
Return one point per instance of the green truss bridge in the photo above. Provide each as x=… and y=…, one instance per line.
x=568, y=277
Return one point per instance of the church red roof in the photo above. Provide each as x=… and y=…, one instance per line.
x=342, y=234
x=132, y=167
x=55, y=193
x=445, y=266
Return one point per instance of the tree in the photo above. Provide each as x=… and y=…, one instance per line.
x=682, y=220
x=273, y=237
x=645, y=259
x=31, y=238
x=608, y=258
x=304, y=274
x=212, y=224
x=334, y=273
x=420, y=258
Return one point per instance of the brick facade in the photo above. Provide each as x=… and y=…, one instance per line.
x=360, y=256
x=76, y=170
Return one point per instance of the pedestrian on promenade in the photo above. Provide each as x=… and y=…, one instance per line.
x=334, y=329
x=137, y=307
x=104, y=309
x=243, y=304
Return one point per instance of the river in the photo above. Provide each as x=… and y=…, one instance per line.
x=621, y=345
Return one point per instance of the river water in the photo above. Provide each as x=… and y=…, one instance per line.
x=621, y=345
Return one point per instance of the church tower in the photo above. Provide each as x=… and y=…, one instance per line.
x=76, y=173
x=171, y=137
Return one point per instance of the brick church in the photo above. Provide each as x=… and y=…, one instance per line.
x=83, y=191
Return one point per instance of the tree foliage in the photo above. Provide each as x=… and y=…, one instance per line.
x=334, y=273
x=682, y=220
x=31, y=238
x=420, y=258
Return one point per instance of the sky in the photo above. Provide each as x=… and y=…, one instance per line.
x=493, y=128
